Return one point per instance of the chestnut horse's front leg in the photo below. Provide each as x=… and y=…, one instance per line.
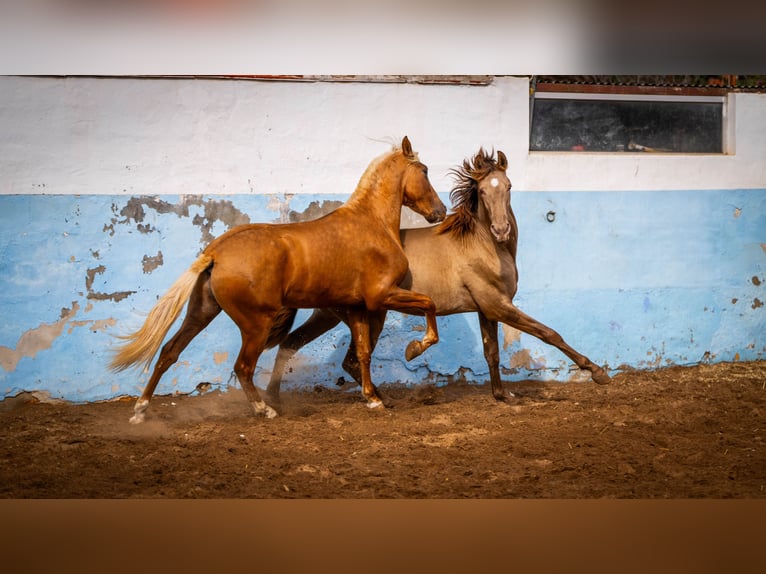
x=414, y=303
x=359, y=323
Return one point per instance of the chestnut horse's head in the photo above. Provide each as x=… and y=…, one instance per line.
x=419, y=194
x=483, y=192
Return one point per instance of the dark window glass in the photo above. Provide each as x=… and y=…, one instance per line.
x=618, y=125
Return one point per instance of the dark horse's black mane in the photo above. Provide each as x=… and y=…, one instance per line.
x=465, y=193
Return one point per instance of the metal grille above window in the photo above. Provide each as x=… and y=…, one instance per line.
x=591, y=122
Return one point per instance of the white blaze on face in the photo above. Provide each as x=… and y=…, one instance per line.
x=494, y=182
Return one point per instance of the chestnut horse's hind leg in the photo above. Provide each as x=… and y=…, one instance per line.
x=254, y=337
x=202, y=309
x=513, y=317
x=492, y=356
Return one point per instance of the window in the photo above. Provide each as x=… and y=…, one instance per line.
x=624, y=122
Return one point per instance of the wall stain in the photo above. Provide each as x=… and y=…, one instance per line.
x=757, y=303
x=756, y=281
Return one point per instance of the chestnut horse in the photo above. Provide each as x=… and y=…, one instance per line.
x=259, y=273
x=468, y=263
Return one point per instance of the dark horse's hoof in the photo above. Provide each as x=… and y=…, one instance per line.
x=600, y=377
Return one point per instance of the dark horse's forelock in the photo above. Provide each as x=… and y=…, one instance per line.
x=465, y=192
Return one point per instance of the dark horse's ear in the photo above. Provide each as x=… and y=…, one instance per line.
x=502, y=161
x=406, y=147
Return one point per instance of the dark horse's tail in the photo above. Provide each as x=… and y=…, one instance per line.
x=141, y=346
x=281, y=327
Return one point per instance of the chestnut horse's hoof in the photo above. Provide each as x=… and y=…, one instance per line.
x=600, y=377
x=374, y=404
x=503, y=396
x=413, y=350
x=261, y=408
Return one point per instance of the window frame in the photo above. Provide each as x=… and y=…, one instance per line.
x=639, y=94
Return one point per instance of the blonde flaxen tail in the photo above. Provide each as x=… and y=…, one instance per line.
x=141, y=346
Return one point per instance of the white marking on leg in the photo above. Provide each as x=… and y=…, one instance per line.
x=374, y=403
x=261, y=408
x=138, y=410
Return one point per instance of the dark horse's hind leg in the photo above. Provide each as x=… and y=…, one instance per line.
x=202, y=309
x=321, y=321
x=513, y=317
x=492, y=356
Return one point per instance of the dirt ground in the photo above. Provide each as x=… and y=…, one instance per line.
x=695, y=432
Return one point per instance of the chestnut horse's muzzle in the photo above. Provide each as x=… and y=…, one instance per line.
x=437, y=215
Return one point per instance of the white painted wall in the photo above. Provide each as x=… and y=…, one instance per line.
x=133, y=136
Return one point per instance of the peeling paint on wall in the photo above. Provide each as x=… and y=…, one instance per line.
x=150, y=263
x=35, y=340
x=510, y=335
x=315, y=210
x=117, y=296
x=223, y=210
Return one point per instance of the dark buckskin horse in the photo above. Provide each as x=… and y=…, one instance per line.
x=259, y=274
x=465, y=264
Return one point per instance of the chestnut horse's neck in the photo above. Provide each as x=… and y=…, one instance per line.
x=379, y=192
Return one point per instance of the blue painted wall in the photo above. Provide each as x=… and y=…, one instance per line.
x=633, y=279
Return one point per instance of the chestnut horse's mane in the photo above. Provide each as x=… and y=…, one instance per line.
x=465, y=193
x=368, y=177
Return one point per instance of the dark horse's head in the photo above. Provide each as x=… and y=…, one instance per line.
x=482, y=191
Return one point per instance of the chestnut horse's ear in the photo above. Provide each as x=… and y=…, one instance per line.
x=406, y=147
x=502, y=161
